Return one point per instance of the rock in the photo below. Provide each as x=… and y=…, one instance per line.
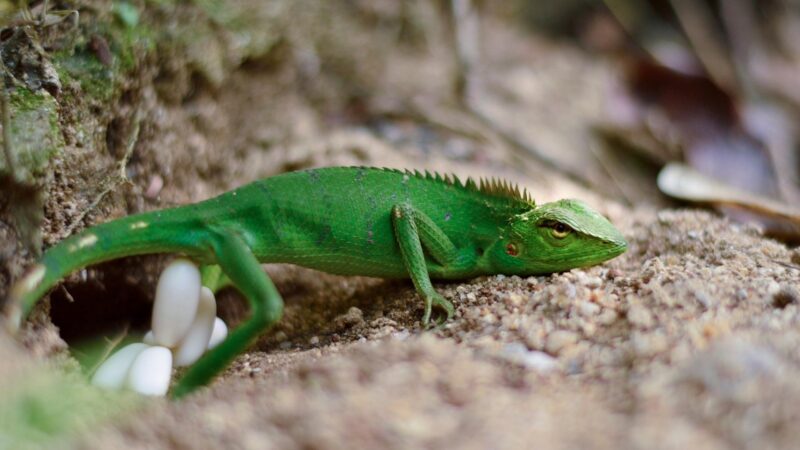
x=607, y=317
x=26, y=60
x=639, y=316
x=351, y=318
x=588, y=309
x=593, y=282
x=530, y=359
x=795, y=258
x=559, y=340
x=647, y=345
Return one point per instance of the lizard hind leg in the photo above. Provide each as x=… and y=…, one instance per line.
x=244, y=271
x=214, y=278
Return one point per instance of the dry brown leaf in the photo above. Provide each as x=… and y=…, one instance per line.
x=777, y=218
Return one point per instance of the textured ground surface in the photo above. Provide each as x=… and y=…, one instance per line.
x=689, y=340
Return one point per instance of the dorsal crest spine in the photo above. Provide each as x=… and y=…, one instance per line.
x=493, y=187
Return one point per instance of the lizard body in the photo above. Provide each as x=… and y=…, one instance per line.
x=344, y=220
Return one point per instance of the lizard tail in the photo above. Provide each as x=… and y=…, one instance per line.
x=152, y=232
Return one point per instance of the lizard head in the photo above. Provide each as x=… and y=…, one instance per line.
x=555, y=237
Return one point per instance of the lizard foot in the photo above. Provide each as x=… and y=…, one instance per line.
x=445, y=310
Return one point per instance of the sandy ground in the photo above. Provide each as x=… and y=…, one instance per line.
x=689, y=340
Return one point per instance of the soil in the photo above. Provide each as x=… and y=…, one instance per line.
x=688, y=340
x=682, y=342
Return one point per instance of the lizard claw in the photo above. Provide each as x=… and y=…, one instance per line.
x=442, y=305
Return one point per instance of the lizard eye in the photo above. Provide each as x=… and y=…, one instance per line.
x=560, y=231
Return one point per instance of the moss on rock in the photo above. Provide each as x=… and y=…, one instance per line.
x=35, y=134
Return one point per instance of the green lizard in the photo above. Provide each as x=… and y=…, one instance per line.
x=344, y=220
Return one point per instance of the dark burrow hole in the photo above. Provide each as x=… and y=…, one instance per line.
x=103, y=306
x=120, y=294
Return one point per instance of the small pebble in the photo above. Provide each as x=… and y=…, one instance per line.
x=401, y=335
x=647, y=345
x=177, y=298
x=354, y=316
x=151, y=371
x=640, y=316
x=559, y=340
x=795, y=258
x=114, y=370
x=155, y=186
x=192, y=347
x=613, y=274
x=593, y=282
x=515, y=299
x=607, y=317
x=773, y=288
x=530, y=359
x=588, y=309
x=280, y=336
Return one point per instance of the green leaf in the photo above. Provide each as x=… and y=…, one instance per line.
x=127, y=14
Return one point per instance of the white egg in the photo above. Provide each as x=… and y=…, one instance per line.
x=192, y=347
x=219, y=334
x=148, y=338
x=175, y=307
x=114, y=370
x=150, y=372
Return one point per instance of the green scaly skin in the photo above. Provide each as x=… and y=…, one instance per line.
x=343, y=220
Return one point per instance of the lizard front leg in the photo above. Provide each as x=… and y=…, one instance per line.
x=244, y=271
x=413, y=229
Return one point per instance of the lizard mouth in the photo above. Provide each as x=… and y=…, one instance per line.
x=619, y=248
x=611, y=250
